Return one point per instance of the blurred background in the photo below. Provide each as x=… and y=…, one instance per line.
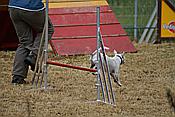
x=134, y=15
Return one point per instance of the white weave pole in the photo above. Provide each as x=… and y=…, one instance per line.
x=112, y=96
x=40, y=52
x=99, y=59
x=104, y=69
x=46, y=45
x=98, y=51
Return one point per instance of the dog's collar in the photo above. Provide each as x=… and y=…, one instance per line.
x=122, y=62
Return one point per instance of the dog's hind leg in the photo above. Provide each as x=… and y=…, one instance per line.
x=116, y=79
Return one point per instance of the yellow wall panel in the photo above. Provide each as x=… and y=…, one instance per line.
x=167, y=21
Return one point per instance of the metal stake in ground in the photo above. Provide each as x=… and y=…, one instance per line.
x=46, y=46
x=38, y=57
x=43, y=53
x=98, y=51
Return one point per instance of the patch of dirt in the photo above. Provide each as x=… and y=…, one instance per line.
x=146, y=76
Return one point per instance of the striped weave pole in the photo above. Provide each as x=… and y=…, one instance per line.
x=107, y=69
x=46, y=45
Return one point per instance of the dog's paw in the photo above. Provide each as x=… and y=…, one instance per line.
x=118, y=82
x=94, y=73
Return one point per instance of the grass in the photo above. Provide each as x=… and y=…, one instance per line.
x=146, y=76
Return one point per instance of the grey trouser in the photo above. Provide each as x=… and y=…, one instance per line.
x=29, y=27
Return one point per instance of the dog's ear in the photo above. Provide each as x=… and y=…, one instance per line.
x=115, y=52
x=123, y=53
x=94, y=52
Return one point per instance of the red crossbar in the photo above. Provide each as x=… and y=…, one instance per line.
x=71, y=66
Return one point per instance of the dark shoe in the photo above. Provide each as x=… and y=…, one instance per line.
x=31, y=60
x=18, y=80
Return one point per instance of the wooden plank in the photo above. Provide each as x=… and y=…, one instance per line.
x=85, y=37
x=75, y=31
x=87, y=30
x=77, y=4
x=78, y=10
x=87, y=46
x=83, y=18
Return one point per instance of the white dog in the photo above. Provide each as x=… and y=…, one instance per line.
x=113, y=62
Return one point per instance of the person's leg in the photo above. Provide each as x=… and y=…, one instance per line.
x=37, y=21
x=20, y=69
x=24, y=33
x=38, y=36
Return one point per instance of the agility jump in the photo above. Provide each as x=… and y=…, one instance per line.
x=104, y=94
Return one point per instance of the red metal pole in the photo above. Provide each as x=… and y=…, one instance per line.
x=71, y=66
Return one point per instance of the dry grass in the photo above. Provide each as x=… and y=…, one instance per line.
x=145, y=77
